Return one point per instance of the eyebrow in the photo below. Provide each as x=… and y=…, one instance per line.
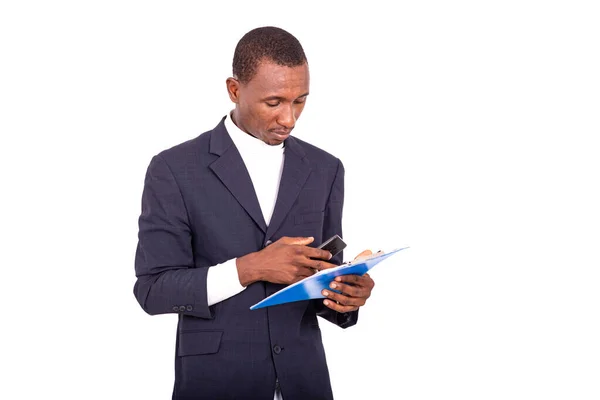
x=281, y=98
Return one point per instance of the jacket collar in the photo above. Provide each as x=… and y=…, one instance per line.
x=232, y=172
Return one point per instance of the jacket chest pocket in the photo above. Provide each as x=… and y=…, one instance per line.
x=309, y=218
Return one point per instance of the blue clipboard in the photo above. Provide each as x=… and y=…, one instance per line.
x=311, y=287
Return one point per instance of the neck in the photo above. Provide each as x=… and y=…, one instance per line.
x=235, y=118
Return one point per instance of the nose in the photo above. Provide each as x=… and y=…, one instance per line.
x=287, y=117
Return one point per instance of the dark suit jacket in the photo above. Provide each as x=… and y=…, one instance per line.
x=199, y=209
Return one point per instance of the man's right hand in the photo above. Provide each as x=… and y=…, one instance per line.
x=286, y=261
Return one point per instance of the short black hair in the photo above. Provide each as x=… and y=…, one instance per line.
x=267, y=42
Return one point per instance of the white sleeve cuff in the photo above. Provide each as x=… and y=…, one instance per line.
x=222, y=282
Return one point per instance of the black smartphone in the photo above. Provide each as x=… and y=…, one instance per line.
x=334, y=245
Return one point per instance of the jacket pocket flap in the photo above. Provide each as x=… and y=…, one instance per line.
x=201, y=342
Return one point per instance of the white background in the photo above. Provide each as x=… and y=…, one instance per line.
x=468, y=130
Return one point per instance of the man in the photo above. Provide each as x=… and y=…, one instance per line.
x=233, y=216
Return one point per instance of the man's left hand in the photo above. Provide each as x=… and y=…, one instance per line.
x=355, y=290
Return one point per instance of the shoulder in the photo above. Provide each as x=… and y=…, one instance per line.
x=188, y=150
x=316, y=156
x=193, y=152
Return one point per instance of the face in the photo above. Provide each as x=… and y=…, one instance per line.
x=268, y=106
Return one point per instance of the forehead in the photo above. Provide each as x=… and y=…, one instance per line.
x=275, y=79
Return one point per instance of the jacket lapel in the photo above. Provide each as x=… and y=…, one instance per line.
x=231, y=170
x=296, y=169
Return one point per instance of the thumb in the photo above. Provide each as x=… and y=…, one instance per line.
x=299, y=240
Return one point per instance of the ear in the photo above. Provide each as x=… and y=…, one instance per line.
x=233, y=89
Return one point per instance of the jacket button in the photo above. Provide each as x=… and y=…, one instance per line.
x=268, y=242
x=175, y=308
x=189, y=308
x=181, y=308
x=277, y=349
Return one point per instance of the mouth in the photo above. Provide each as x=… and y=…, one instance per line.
x=282, y=134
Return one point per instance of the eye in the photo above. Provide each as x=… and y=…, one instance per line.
x=273, y=104
x=300, y=100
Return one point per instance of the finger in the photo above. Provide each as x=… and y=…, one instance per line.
x=316, y=253
x=364, y=281
x=350, y=279
x=303, y=241
x=343, y=299
x=364, y=254
x=353, y=291
x=306, y=273
x=317, y=264
x=339, y=307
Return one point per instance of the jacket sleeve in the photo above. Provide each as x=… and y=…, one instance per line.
x=167, y=280
x=331, y=226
